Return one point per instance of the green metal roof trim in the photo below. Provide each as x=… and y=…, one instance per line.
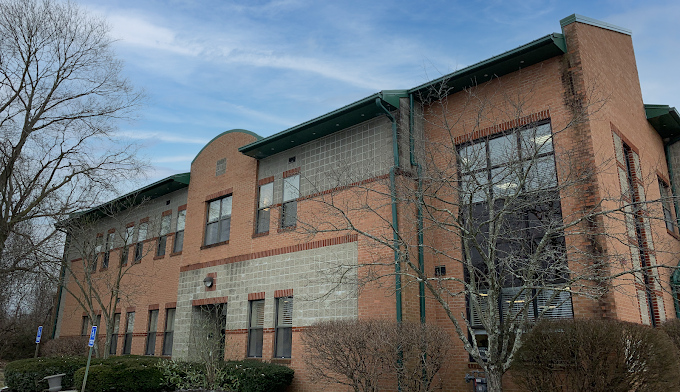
x=594, y=22
x=347, y=116
x=513, y=60
x=665, y=119
x=258, y=137
x=149, y=192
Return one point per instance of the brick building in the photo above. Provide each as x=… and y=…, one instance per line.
x=235, y=237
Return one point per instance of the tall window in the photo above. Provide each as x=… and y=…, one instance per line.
x=129, y=327
x=85, y=326
x=114, y=334
x=284, y=327
x=666, y=202
x=151, y=332
x=179, y=234
x=163, y=238
x=169, y=331
x=219, y=221
x=141, y=237
x=98, y=246
x=291, y=192
x=109, y=247
x=255, y=328
x=266, y=195
x=129, y=239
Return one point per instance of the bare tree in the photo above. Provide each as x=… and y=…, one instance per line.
x=61, y=96
x=101, y=271
x=521, y=235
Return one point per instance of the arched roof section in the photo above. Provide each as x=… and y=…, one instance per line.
x=257, y=137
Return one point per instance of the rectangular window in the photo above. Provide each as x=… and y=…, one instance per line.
x=129, y=327
x=129, y=239
x=219, y=221
x=114, y=334
x=284, y=327
x=169, y=331
x=163, y=237
x=291, y=192
x=179, y=234
x=151, y=333
x=255, y=329
x=109, y=246
x=666, y=202
x=266, y=196
x=141, y=237
x=85, y=326
x=98, y=247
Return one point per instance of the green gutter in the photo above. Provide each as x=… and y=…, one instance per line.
x=395, y=220
x=421, y=256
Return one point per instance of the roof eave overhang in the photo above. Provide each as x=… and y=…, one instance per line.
x=137, y=197
x=665, y=120
x=513, y=60
x=345, y=117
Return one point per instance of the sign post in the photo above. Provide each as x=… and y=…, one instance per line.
x=90, y=343
x=37, y=341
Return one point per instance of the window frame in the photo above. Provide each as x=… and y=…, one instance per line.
x=113, y=345
x=168, y=334
x=161, y=245
x=179, y=233
x=220, y=222
x=152, y=328
x=280, y=328
x=139, y=246
x=108, y=247
x=668, y=213
x=255, y=332
x=129, y=330
x=263, y=214
x=289, y=204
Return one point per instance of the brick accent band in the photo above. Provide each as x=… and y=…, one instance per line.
x=170, y=305
x=209, y=301
x=255, y=296
x=291, y=172
x=217, y=195
x=130, y=224
x=165, y=213
x=111, y=231
x=154, y=307
x=144, y=220
x=266, y=180
x=518, y=122
x=182, y=207
x=283, y=293
x=273, y=252
x=130, y=309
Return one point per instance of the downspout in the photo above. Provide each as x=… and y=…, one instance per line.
x=421, y=256
x=675, y=278
x=395, y=221
x=62, y=275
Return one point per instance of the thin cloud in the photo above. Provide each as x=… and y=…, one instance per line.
x=176, y=158
x=164, y=137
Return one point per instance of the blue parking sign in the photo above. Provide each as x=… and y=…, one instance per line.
x=93, y=335
x=39, y=335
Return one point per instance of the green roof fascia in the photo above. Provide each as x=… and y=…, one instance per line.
x=257, y=137
x=342, y=118
x=594, y=22
x=149, y=192
x=665, y=119
x=513, y=60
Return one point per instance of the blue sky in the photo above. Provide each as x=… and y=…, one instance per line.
x=211, y=66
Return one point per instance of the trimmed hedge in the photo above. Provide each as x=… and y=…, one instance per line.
x=123, y=374
x=255, y=376
x=25, y=375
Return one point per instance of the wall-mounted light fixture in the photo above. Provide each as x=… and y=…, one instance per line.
x=208, y=281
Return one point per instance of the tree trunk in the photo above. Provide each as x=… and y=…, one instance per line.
x=494, y=379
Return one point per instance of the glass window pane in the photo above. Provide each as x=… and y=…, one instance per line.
x=226, y=207
x=289, y=214
x=142, y=232
x=257, y=314
x=181, y=219
x=542, y=173
x=255, y=343
x=109, y=241
x=165, y=224
x=503, y=149
x=130, y=322
x=129, y=235
x=474, y=187
x=179, y=241
x=211, y=233
x=167, y=343
x=266, y=195
x=536, y=141
x=472, y=157
x=285, y=312
x=263, y=220
x=284, y=340
x=170, y=320
x=224, y=229
x=291, y=188
x=505, y=181
x=116, y=323
x=153, y=320
x=98, y=244
x=214, y=211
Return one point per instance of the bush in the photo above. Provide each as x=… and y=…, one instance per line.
x=672, y=329
x=123, y=374
x=596, y=356
x=26, y=375
x=254, y=376
x=243, y=376
x=69, y=346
